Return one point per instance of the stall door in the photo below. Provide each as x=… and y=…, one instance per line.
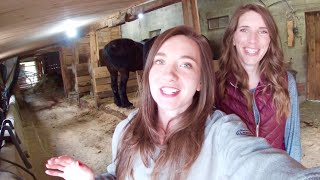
x=313, y=50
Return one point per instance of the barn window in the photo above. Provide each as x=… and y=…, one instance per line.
x=28, y=76
x=154, y=33
x=218, y=22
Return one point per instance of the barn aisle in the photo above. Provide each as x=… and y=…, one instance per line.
x=52, y=127
x=35, y=147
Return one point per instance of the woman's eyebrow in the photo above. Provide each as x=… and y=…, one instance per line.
x=263, y=28
x=160, y=54
x=182, y=57
x=245, y=26
x=188, y=57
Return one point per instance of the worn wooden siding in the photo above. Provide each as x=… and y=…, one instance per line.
x=313, y=61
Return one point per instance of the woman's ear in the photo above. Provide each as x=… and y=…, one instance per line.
x=199, y=86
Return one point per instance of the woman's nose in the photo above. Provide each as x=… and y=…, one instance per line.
x=252, y=37
x=170, y=72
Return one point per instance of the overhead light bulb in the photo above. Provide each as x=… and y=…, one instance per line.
x=71, y=33
x=140, y=15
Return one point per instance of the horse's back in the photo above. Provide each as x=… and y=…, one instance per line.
x=124, y=53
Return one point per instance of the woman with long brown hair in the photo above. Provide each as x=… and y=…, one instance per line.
x=253, y=83
x=175, y=134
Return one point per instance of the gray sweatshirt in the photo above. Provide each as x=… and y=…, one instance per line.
x=228, y=152
x=292, y=131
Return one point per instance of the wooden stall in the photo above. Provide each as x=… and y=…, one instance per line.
x=101, y=83
x=82, y=50
x=101, y=80
x=67, y=58
x=82, y=80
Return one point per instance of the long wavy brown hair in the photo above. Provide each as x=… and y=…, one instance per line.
x=272, y=66
x=183, y=141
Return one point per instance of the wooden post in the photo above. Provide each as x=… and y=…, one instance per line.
x=290, y=33
x=63, y=72
x=38, y=62
x=190, y=14
x=76, y=53
x=94, y=51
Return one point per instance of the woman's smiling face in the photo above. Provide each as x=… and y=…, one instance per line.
x=251, y=39
x=175, y=74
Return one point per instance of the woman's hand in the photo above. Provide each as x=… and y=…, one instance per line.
x=68, y=168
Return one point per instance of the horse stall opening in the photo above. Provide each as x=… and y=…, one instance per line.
x=102, y=83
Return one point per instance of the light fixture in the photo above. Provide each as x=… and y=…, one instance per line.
x=69, y=27
x=140, y=15
x=71, y=33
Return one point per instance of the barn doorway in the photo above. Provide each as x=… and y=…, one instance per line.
x=313, y=50
x=29, y=74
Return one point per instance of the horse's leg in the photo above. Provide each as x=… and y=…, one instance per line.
x=124, y=75
x=114, y=86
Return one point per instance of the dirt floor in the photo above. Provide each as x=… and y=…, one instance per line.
x=54, y=125
x=310, y=133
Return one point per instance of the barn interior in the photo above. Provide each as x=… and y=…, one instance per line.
x=57, y=95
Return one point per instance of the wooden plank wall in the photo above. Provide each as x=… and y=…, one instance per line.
x=83, y=48
x=101, y=81
x=105, y=35
x=313, y=61
x=82, y=78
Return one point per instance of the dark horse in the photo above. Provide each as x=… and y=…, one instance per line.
x=122, y=55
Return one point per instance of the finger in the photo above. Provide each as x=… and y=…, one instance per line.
x=55, y=166
x=53, y=163
x=64, y=160
x=51, y=160
x=54, y=173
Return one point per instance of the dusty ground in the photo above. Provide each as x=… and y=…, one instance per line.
x=52, y=126
x=310, y=133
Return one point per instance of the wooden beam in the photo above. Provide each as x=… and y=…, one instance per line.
x=94, y=52
x=190, y=14
x=145, y=8
x=290, y=33
x=76, y=53
x=131, y=13
x=63, y=73
x=33, y=52
x=52, y=48
x=38, y=61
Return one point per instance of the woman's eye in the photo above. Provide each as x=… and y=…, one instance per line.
x=186, y=65
x=159, y=61
x=243, y=30
x=263, y=32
